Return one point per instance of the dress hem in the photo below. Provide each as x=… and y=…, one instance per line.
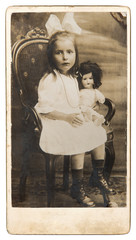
x=73, y=153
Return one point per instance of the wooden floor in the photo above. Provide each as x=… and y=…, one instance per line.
x=36, y=191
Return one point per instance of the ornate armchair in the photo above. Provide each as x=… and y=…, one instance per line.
x=29, y=63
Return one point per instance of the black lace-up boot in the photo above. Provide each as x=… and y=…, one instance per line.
x=77, y=189
x=97, y=178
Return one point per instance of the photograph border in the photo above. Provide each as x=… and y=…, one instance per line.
x=26, y=220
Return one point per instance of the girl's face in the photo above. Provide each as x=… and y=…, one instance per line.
x=64, y=55
x=87, y=81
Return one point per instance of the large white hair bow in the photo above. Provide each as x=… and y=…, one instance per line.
x=68, y=24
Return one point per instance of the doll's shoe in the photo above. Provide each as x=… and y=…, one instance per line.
x=78, y=193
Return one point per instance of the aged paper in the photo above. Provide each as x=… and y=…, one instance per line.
x=113, y=52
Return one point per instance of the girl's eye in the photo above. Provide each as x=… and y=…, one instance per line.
x=58, y=52
x=84, y=78
x=69, y=51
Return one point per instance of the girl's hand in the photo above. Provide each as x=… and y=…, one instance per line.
x=75, y=119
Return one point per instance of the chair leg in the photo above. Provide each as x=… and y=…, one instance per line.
x=22, y=187
x=26, y=151
x=24, y=174
x=106, y=199
x=66, y=172
x=50, y=178
x=109, y=160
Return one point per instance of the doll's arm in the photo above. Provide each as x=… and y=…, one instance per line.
x=99, y=96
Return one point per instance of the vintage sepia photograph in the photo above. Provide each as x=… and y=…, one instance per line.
x=68, y=119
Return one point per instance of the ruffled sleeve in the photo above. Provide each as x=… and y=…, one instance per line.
x=47, y=92
x=99, y=96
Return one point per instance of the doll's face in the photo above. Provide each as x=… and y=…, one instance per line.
x=87, y=81
x=64, y=55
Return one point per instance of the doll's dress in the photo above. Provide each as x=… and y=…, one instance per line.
x=89, y=97
x=88, y=100
x=57, y=92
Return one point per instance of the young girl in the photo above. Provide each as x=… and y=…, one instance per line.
x=64, y=130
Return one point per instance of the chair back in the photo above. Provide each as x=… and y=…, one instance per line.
x=29, y=64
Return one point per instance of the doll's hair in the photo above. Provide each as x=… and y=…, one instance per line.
x=57, y=36
x=87, y=67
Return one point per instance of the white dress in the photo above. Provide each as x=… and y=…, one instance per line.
x=59, y=92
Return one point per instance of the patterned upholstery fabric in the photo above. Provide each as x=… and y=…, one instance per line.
x=32, y=64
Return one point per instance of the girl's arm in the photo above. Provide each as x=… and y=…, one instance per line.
x=74, y=119
x=47, y=95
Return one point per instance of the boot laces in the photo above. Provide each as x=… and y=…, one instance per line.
x=83, y=191
x=103, y=181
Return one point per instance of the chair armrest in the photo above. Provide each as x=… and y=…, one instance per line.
x=111, y=110
x=29, y=109
x=35, y=116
